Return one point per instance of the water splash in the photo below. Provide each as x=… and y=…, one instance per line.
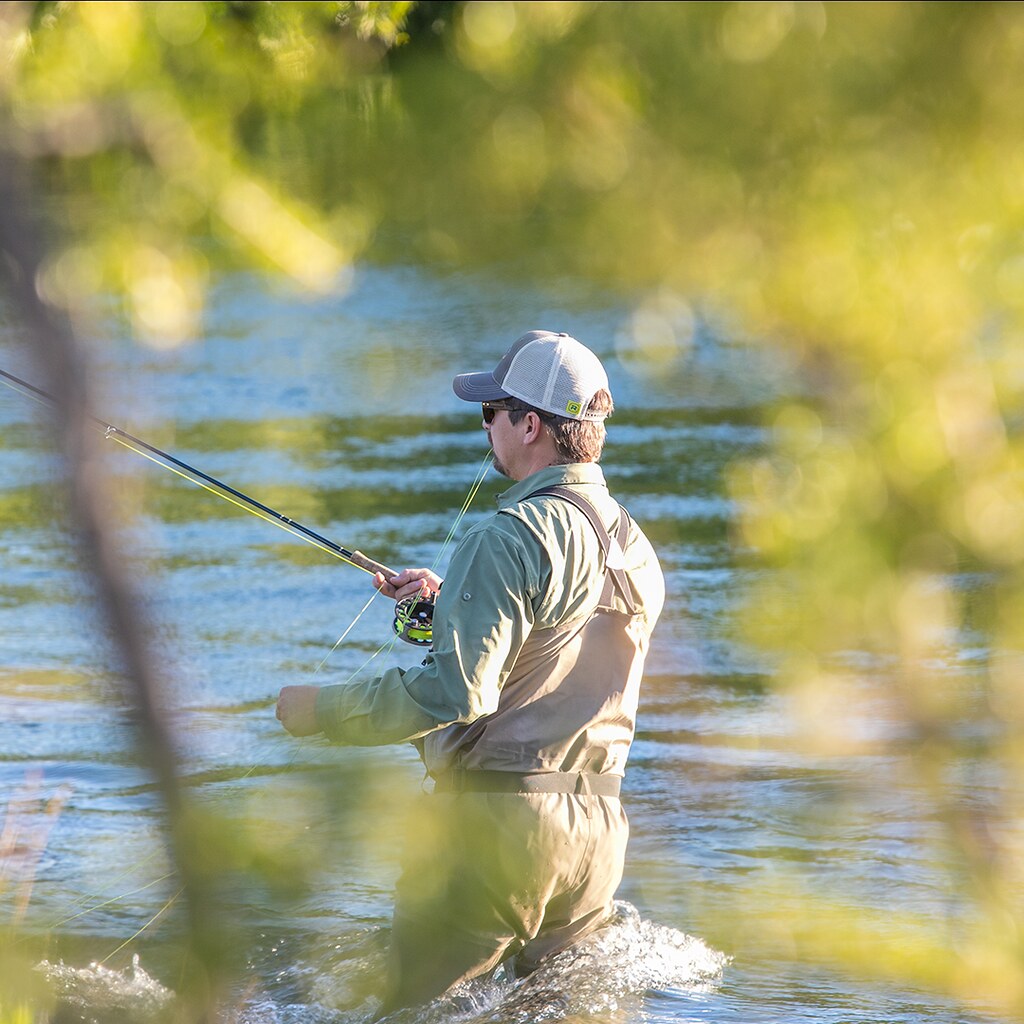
x=609, y=971
x=101, y=993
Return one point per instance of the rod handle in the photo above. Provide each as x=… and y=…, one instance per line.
x=358, y=558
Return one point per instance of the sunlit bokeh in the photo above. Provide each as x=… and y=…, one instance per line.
x=841, y=183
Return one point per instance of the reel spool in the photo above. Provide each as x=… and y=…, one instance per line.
x=414, y=617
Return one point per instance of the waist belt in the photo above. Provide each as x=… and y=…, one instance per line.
x=462, y=780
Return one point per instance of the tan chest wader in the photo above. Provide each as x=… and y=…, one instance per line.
x=522, y=848
x=566, y=714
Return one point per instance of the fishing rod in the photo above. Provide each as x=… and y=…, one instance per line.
x=413, y=615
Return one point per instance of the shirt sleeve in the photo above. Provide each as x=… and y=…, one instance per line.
x=483, y=615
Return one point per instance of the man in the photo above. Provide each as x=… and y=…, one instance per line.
x=524, y=709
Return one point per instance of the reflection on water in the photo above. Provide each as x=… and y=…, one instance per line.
x=339, y=413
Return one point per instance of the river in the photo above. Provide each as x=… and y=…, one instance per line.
x=338, y=412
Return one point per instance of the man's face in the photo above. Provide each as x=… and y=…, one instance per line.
x=500, y=432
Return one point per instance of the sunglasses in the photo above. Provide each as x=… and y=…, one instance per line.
x=490, y=408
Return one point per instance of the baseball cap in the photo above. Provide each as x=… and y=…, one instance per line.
x=552, y=372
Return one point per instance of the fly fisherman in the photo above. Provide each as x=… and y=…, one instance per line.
x=525, y=707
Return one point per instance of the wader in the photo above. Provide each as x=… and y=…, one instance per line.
x=521, y=848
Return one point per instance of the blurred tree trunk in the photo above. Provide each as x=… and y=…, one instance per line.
x=62, y=366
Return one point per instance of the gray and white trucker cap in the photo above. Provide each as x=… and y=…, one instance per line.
x=551, y=372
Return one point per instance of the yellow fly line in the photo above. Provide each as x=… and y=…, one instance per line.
x=209, y=483
x=413, y=616
x=220, y=493
x=243, y=501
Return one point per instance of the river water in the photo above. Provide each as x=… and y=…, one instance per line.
x=338, y=412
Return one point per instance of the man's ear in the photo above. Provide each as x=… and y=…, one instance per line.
x=534, y=428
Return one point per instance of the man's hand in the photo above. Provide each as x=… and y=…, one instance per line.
x=296, y=710
x=408, y=583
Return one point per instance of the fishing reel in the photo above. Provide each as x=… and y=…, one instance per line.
x=414, y=618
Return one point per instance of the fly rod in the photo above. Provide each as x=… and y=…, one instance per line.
x=412, y=619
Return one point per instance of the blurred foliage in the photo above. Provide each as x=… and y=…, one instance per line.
x=844, y=182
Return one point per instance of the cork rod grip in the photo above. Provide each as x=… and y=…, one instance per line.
x=358, y=558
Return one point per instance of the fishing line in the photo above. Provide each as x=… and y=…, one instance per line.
x=414, y=615
x=481, y=472
x=373, y=597
x=128, y=941
x=227, y=497
x=295, y=754
x=209, y=483
x=24, y=389
x=113, y=899
x=389, y=644
x=412, y=623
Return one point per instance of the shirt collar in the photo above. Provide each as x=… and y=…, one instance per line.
x=552, y=476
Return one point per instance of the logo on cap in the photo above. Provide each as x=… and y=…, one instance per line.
x=573, y=408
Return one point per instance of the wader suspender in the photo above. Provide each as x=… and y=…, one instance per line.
x=615, y=575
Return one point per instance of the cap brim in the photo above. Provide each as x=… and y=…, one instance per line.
x=478, y=387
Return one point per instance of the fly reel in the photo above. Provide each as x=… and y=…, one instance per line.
x=414, y=618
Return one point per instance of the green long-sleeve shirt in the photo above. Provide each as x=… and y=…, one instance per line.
x=506, y=577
